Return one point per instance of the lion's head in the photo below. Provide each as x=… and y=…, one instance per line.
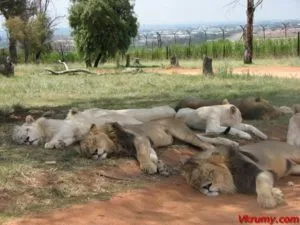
x=258, y=108
x=28, y=133
x=97, y=144
x=232, y=115
x=209, y=174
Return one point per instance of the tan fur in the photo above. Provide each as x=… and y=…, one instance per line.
x=293, y=134
x=212, y=168
x=159, y=133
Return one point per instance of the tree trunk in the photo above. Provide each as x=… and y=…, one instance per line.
x=249, y=33
x=38, y=57
x=13, y=49
x=127, y=60
x=88, y=63
x=97, y=60
x=174, y=61
x=26, y=50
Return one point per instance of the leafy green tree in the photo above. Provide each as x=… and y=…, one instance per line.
x=33, y=28
x=10, y=9
x=101, y=28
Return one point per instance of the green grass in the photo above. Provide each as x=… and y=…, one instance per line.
x=28, y=184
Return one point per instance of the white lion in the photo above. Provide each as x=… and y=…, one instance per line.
x=59, y=133
x=218, y=119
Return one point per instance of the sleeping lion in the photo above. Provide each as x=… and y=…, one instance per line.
x=218, y=119
x=252, y=108
x=140, y=140
x=251, y=169
x=55, y=133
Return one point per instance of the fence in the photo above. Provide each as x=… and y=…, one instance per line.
x=287, y=47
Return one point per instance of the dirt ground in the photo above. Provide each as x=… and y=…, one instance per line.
x=276, y=71
x=172, y=201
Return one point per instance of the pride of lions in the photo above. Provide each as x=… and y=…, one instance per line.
x=221, y=166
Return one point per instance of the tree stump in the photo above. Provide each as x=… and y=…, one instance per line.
x=174, y=61
x=127, y=60
x=207, y=66
x=7, y=68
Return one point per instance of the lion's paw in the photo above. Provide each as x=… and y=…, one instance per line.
x=245, y=136
x=278, y=195
x=49, y=145
x=163, y=169
x=149, y=168
x=267, y=202
x=57, y=145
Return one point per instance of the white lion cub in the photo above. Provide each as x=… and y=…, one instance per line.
x=218, y=119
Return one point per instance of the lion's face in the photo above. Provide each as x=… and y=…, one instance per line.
x=96, y=144
x=28, y=133
x=209, y=175
x=232, y=115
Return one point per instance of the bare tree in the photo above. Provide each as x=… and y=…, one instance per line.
x=159, y=40
x=174, y=34
x=189, y=32
x=223, y=32
x=285, y=27
x=251, y=7
x=146, y=38
x=264, y=31
x=243, y=33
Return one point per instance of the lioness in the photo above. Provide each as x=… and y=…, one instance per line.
x=252, y=168
x=218, y=119
x=56, y=133
x=140, y=140
x=252, y=108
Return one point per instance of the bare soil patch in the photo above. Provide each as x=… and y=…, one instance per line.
x=166, y=200
x=275, y=71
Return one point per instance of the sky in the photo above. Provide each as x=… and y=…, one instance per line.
x=151, y=12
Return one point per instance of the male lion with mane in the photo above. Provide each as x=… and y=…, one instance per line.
x=253, y=168
x=140, y=140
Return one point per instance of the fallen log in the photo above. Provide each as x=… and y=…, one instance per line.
x=67, y=70
x=70, y=71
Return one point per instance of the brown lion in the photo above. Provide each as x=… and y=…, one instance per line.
x=140, y=140
x=252, y=108
x=251, y=169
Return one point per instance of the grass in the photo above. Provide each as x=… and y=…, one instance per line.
x=28, y=184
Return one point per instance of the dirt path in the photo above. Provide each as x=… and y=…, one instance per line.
x=276, y=71
x=172, y=202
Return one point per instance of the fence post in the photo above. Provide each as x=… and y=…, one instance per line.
x=298, y=45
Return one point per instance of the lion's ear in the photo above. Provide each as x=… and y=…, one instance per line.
x=93, y=127
x=225, y=101
x=29, y=119
x=74, y=111
x=258, y=99
x=233, y=109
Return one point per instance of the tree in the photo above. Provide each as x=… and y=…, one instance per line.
x=248, y=42
x=10, y=9
x=101, y=28
x=33, y=28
